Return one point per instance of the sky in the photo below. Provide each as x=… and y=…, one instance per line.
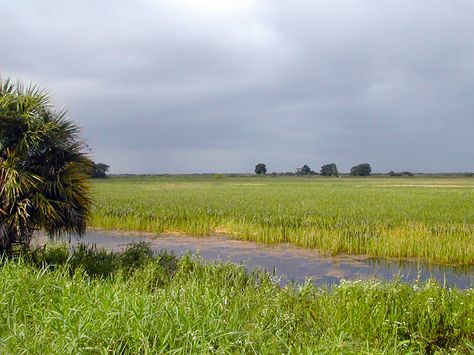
x=183, y=86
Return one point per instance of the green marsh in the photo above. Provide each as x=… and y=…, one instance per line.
x=426, y=218
x=98, y=302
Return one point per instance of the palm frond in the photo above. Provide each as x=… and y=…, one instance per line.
x=43, y=167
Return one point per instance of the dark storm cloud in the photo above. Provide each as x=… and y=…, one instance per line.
x=208, y=85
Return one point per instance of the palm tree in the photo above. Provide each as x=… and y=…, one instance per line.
x=43, y=168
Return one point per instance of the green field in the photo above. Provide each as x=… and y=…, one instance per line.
x=427, y=218
x=95, y=302
x=92, y=301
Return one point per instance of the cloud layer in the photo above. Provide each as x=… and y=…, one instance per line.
x=185, y=86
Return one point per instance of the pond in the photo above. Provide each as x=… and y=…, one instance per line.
x=288, y=262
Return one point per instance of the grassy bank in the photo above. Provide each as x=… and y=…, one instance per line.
x=429, y=218
x=97, y=302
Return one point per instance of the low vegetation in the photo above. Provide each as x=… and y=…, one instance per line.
x=429, y=218
x=132, y=302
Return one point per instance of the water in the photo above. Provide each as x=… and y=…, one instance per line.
x=288, y=262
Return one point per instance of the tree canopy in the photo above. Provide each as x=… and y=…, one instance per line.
x=43, y=168
x=260, y=169
x=99, y=170
x=361, y=170
x=304, y=170
x=329, y=170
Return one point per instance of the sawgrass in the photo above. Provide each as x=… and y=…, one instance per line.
x=58, y=303
x=426, y=218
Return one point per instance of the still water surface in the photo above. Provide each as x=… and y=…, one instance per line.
x=288, y=262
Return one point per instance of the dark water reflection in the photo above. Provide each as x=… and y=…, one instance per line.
x=289, y=262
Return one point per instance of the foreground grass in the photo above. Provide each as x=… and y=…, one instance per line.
x=432, y=219
x=79, y=303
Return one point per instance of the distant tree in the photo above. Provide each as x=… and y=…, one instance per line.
x=99, y=170
x=304, y=170
x=361, y=170
x=260, y=169
x=329, y=170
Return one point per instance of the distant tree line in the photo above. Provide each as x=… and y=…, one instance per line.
x=330, y=169
x=402, y=173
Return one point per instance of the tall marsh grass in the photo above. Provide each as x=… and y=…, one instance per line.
x=55, y=302
x=432, y=219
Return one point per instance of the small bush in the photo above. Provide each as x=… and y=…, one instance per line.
x=101, y=263
x=135, y=256
x=95, y=262
x=50, y=255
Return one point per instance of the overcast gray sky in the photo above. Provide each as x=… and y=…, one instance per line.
x=185, y=86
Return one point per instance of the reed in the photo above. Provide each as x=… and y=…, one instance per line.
x=168, y=305
x=431, y=219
